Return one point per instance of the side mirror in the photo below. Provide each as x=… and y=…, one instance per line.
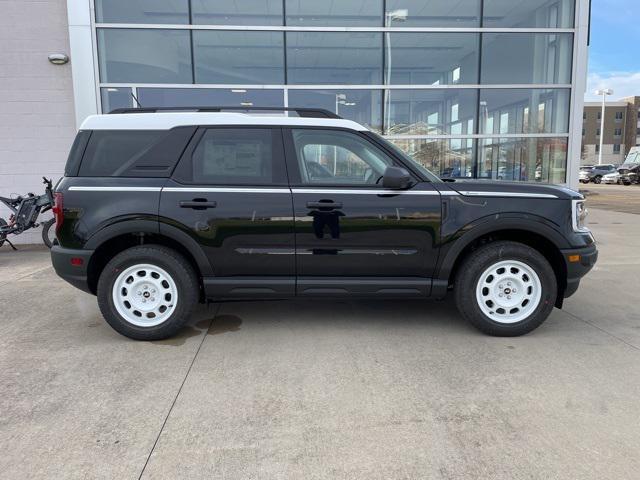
x=396, y=178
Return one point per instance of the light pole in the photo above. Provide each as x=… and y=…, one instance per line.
x=604, y=92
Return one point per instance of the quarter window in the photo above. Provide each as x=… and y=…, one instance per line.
x=110, y=153
x=334, y=157
x=236, y=156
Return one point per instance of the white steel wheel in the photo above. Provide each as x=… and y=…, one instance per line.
x=508, y=291
x=145, y=295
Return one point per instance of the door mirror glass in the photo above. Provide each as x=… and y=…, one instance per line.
x=396, y=178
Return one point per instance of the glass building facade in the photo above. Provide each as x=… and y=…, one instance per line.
x=470, y=88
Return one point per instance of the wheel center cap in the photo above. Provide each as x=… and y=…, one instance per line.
x=507, y=291
x=146, y=294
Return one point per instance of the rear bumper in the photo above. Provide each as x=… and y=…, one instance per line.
x=577, y=270
x=74, y=272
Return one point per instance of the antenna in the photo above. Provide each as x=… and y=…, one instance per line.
x=136, y=99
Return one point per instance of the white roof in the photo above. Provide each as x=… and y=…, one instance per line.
x=167, y=120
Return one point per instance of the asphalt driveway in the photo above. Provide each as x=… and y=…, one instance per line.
x=315, y=390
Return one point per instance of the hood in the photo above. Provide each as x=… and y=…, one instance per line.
x=495, y=188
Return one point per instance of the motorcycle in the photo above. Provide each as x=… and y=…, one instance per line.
x=25, y=215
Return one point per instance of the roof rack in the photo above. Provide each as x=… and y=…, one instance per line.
x=302, y=112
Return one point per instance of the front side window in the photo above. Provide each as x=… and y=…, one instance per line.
x=234, y=156
x=334, y=157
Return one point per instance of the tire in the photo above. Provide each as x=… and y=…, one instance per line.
x=169, y=284
x=472, y=291
x=3, y=223
x=48, y=235
x=597, y=179
x=584, y=181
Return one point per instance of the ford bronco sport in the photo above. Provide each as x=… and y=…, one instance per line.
x=161, y=209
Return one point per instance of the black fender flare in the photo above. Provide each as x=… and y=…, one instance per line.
x=494, y=223
x=154, y=227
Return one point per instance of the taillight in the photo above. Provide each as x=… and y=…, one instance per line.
x=57, y=210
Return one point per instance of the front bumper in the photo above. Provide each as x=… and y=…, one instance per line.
x=71, y=265
x=586, y=259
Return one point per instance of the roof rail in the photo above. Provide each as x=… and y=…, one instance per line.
x=302, y=112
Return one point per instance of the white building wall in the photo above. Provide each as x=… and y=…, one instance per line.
x=37, y=123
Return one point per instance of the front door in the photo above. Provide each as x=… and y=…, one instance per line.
x=230, y=192
x=353, y=236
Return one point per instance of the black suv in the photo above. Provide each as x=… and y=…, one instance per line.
x=161, y=209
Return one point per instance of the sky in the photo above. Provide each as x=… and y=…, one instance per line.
x=614, y=53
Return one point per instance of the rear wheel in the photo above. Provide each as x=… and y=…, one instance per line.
x=597, y=179
x=147, y=292
x=505, y=289
x=48, y=233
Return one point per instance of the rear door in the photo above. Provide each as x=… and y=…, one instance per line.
x=230, y=193
x=352, y=235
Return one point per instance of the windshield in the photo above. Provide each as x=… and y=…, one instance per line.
x=428, y=174
x=632, y=159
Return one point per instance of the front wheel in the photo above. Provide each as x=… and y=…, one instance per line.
x=505, y=289
x=48, y=233
x=147, y=292
x=597, y=180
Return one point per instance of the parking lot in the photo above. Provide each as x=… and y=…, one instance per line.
x=619, y=198
x=317, y=389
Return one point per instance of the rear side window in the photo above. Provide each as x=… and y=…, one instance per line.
x=235, y=156
x=76, y=152
x=112, y=152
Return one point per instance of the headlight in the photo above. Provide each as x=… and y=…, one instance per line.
x=579, y=215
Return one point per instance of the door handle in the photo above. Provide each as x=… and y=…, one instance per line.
x=331, y=205
x=198, y=204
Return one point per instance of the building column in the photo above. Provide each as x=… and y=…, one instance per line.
x=579, y=77
x=83, y=67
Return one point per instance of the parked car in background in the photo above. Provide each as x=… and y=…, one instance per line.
x=594, y=174
x=611, y=178
x=630, y=175
x=629, y=170
x=583, y=175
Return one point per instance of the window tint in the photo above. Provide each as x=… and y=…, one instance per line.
x=528, y=13
x=431, y=58
x=345, y=13
x=144, y=55
x=334, y=58
x=362, y=106
x=334, y=157
x=432, y=13
x=237, y=156
x=524, y=110
x=238, y=57
x=238, y=12
x=142, y=11
x=526, y=58
x=111, y=152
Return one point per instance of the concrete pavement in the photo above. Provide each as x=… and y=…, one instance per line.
x=315, y=390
